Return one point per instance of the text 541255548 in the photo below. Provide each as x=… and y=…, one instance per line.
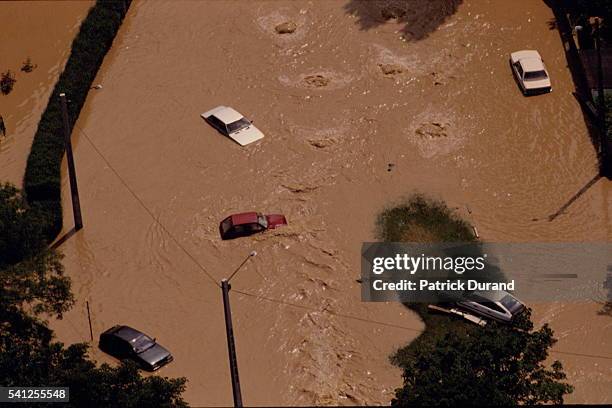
x=34, y=394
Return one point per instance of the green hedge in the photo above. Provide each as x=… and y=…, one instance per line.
x=42, y=181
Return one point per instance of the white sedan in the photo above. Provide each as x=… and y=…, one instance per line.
x=231, y=123
x=530, y=72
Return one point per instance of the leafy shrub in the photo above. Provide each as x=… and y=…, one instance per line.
x=42, y=181
x=7, y=80
x=420, y=219
x=21, y=232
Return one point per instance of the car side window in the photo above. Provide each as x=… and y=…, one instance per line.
x=519, y=69
x=217, y=123
x=123, y=347
x=494, y=306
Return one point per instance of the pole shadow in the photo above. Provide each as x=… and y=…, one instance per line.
x=63, y=238
x=575, y=197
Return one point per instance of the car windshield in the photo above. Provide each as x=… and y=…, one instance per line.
x=512, y=304
x=226, y=225
x=535, y=75
x=142, y=343
x=262, y=220
x=237, y=125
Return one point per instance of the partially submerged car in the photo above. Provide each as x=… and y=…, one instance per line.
x=231, y=123
x=244, y=224
x=124, y=342
x=530, y=72
x=497, y=305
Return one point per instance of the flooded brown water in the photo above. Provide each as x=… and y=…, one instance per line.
x=448, y=117
x=42, y=31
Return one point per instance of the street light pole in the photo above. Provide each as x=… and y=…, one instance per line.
x=229, y=332
x=74, y=190
x=231, y=345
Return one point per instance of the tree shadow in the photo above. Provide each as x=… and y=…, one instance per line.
x=606, y=309
x=419, y=17
x=582, y=91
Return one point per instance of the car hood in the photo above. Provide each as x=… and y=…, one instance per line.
x=275, y=220
x=154, y=355
x=247, y=135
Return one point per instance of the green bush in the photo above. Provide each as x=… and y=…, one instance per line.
x=455, y=363
x=42, y=181
x=420, y=219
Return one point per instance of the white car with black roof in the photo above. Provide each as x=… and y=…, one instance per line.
x=233, y=124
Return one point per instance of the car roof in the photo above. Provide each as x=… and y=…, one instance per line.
x=532, y=63
x=244, y=218
x=126, y=333
x=226, y=114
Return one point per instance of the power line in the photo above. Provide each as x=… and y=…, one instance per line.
x=283, y=302
x=361, y=319
x=142, y=204
x=581, y=354
x=278, y=301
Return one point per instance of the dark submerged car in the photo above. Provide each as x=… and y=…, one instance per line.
x=497, y=305
x=124, y=342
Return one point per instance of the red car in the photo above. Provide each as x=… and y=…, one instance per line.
x=244, y=224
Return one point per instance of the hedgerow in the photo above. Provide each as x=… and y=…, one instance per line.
x=42, y=180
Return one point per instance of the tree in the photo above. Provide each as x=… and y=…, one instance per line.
x=7, y=81
x=33, y=285
x=21, y=228
x=494, y=365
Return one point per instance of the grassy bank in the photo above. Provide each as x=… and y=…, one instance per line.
x=454, y=362
x=42, y=180
x=422, y=220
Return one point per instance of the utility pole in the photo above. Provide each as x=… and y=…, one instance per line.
x=231, y=345
x=229, y=332
x=74, y=190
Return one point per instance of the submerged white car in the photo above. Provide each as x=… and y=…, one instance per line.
x=497, y=305
x=530, y=72
x=231, y=123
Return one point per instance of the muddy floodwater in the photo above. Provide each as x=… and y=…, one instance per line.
x=358, y=112
x=43, y=32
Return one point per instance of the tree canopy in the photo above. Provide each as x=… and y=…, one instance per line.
x=453, y=362
x=495, y=365
x=34, y=286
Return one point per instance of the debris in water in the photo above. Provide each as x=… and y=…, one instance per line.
x=27, y=66
x=318, y=81
x=432, y=130
x=391, y=69
x=2, y=126
x=287, y=27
